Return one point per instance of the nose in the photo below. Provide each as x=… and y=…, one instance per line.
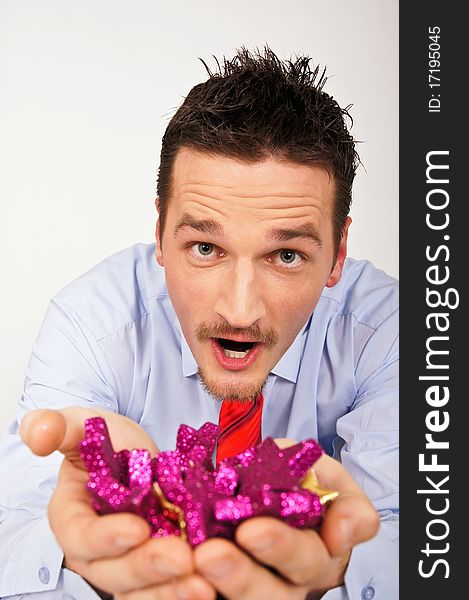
x=240, y=300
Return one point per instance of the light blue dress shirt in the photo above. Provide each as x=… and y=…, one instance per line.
x=111, y=339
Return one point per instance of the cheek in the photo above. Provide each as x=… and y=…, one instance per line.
x=291, y=305
x=190, y=295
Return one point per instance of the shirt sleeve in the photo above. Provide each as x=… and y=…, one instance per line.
x=368, y=447
x=66, y=368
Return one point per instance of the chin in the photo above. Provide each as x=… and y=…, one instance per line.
x=234, y=390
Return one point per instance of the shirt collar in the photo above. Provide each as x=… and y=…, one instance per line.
x=287, y=367
x=189, y=366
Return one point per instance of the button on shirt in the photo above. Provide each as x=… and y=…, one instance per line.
x=111, y=340
x=44, y=575
x=368, y=592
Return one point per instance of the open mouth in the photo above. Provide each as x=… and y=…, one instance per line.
x=234, y=349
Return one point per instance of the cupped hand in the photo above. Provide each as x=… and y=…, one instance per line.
x=274, y=561
x=115, y=552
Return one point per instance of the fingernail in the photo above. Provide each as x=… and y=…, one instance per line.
x=165, y=568
x=219, y=569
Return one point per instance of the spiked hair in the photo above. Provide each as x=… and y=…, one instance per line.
x=256, y=106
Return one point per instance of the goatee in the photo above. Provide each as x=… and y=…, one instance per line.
x=238, y=393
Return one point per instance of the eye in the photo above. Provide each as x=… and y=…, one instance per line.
x=287, y=259
x=287, y=256
x=204, y=249
x=204, y=252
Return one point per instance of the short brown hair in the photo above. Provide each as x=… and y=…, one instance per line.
x=256, y=106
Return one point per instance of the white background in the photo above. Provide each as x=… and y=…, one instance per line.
x=86, y=90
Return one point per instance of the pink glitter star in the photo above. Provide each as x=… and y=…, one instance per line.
x=179, y=492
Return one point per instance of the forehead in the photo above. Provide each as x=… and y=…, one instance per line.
x=272, y=189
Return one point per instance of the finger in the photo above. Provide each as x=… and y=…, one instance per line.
x=351, y=518
x=298, y=555
x=153, y=563
x=237, y=576
x=193, y=587
x=46, y=431
x=81, y=533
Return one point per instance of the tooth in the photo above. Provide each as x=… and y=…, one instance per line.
x=233, y=354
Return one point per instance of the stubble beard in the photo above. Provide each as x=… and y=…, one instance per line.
x=246, y=392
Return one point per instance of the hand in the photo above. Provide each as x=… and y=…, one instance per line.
x=112, y=552
x=300, y=562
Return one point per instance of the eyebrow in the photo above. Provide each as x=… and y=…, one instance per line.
x=203, y=225
x=307, y=230
x=279, y=234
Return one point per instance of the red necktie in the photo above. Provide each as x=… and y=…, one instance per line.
x=240, y=424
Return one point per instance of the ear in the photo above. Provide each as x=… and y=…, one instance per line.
x=159, y=242
x=336, y=272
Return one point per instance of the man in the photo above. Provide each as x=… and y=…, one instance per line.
x=246, y=298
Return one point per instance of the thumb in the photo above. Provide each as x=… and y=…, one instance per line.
x=44, y=431
x=351, y=518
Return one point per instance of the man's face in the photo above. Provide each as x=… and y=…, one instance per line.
x=247, y=250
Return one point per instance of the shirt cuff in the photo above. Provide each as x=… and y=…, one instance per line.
x=69, y=587
x=35, y=568
x=372, y=572
x=35, y=561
